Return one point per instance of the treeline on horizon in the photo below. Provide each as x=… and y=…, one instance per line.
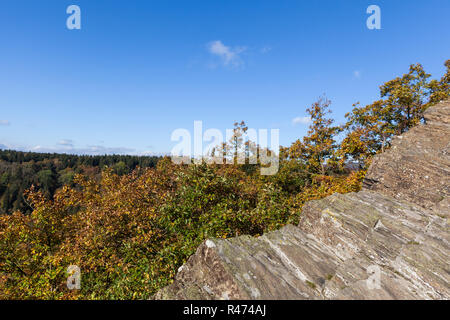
x=129, y=233
x=50, y=171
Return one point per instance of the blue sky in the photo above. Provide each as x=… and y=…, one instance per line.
x=138, y=70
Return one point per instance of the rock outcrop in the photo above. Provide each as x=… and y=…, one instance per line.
x=389, y=241
x=417, y=166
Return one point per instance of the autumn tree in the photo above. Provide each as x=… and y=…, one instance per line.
x=403, y=100
x=319, y=145
x=369, y=129
x=440, y=90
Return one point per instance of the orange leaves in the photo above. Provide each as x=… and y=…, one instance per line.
x=319, y=145
x=130, y=233
x=323, y=186
x=404, y=99
x=104, y=227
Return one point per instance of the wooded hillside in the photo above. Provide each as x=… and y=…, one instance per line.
x=20, y=170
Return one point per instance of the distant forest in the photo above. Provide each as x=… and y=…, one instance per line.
x=50, y=171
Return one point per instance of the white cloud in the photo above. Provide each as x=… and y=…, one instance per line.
x=4, y=123
x=301, y=120
x=147, y=153
x=66, y=142
x=357, y=74
x=266, y=49
x=89, y=150
x=229, y=56
x=67, y=146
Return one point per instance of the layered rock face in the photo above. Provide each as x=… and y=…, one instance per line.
x=417, y=166
x=389, y=241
